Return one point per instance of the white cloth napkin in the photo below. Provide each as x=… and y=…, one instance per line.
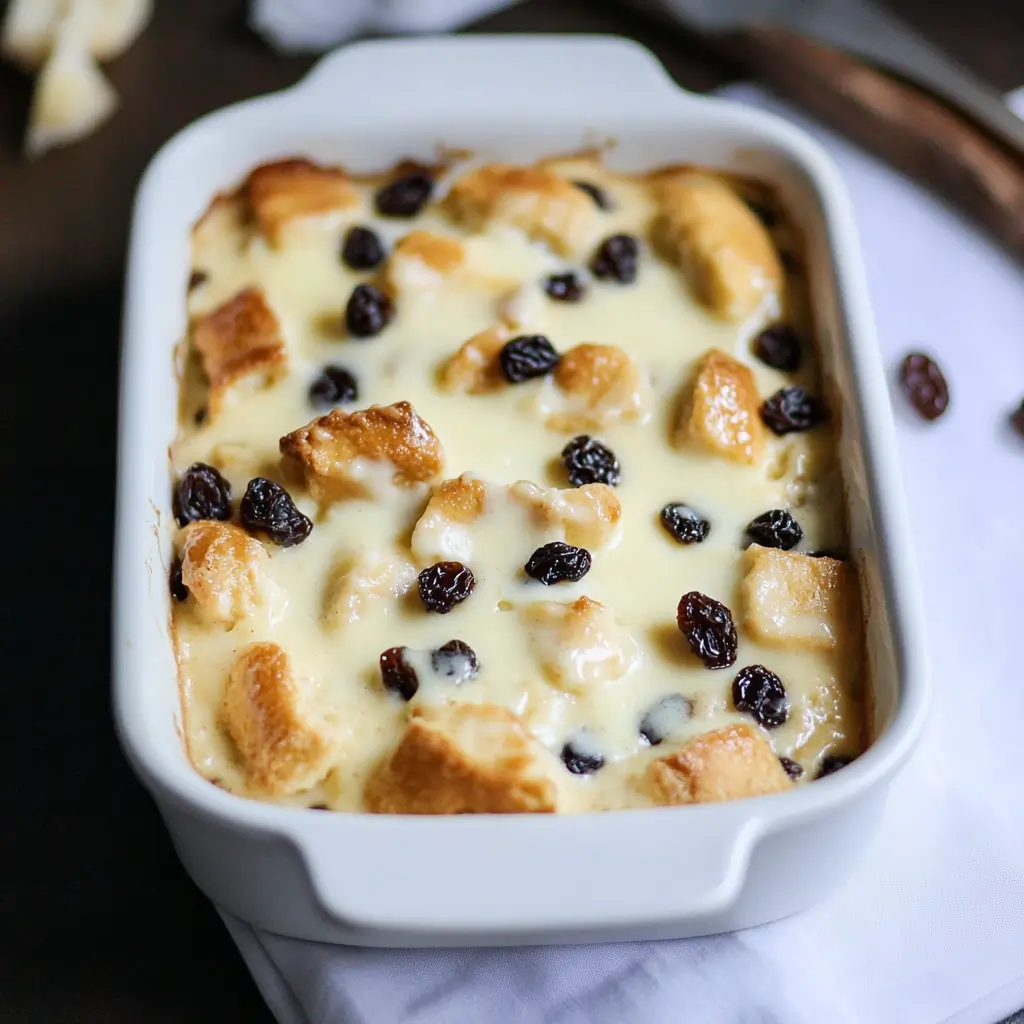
x=931, y=927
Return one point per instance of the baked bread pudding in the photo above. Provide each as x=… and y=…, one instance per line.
x=508, y=489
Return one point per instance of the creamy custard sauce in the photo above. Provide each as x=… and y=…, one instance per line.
x=330, y=601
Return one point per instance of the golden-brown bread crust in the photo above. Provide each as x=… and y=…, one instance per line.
x=223, y=568
x=722, y=412
x=727, y=764
x=725, y=252
x=578, y=644
x=587, y=516
x=287, y=190
x=422, y=258
x=794, y=600
x=240, y=340
x=602, y=385
x=283, y=751
x=538, y=202
x=454, y=504
x=475, y=367
x=366, y=582
x=323, y=452
x=463, y=759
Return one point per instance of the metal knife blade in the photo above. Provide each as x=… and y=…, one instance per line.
x=864, y=30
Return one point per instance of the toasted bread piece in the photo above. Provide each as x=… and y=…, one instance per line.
x=366, y=582
x=722, y=411
x=463, y=759
x=793, y=600
x=240, y=344
x=422, y=259
x=579, y=644
x=223, y=568
x=475, y=368
x=539, y=203
x=441, y=532
x=598, y=385
x=331, y=453
x=72, y=96
x=724, y=251
x=726, y=764
x=587, y=516
x=285, y=750
x=289, y=190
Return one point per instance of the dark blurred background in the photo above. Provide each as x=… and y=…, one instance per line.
x=99, y=923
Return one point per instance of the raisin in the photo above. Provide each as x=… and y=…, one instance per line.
x=1017, y=419
x=595, y=193
x=268, y=508
x=791, y=410
x=397, y=674
x=564, y=287
x=588, y=461
x=334, y=386
x=765, y=214
x=444, y=585
x=709, y=630
x=775, y=529
x=200, y=416
x=616, y=258
x=202, y=493
x=924, y=385
x=406, y=196
x=368, y=311
x=178, y=589
x=455, y=660
x=529, y=355
x=760, y=693
x=363, y=249
x=196, y=278
x=664, y=716
x=792, y=768
x=832, y=763
x=319, y=807
x=779, y=347
x=685, y=525
x=579, y=761
x=558, y=562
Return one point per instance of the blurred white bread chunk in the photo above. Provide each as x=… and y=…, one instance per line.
x=28, y=30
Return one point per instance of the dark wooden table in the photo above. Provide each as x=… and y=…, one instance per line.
x=99, y=922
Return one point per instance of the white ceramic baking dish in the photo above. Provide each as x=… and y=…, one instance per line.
x=378, y=880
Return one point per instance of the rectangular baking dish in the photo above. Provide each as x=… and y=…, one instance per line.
x=379, y=880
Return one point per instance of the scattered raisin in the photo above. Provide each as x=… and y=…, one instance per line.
x=1017, y=419
x=588, y=461
x=178, y=589
x=709, y=630
x=564, y=287
x=760, y=693
x=616, y=258
x=832, y=763
x=775, y=529
x=685, y=525
x=581, y=762
x=664, y=716
x=268, y=508
x=196, y=278
x=363, y=249
x=397, y=674
x=791, y=263
x=368, y=311
x=765, y=214
x=792, y=768
x=319, y=807
x=200, y=416
x=779, y=347
x=202, y=493
x=406, y=196
x=595, y=193
x=558, y=562
x=924, y=385
x=333, y=386
x=444, y=585
x=529, y=355
x=791, y=410
x=455, y=660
